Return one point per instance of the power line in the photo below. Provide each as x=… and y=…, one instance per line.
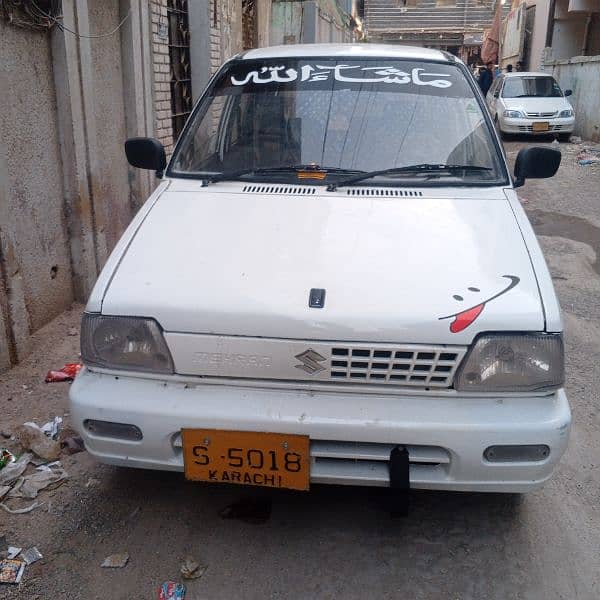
x=61, y=26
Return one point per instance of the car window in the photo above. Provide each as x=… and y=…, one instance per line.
x=531, y=87
x=353, y=114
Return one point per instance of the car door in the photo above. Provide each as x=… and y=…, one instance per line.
x=493, y=96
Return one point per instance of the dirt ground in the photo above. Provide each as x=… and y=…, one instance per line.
x=333, y=542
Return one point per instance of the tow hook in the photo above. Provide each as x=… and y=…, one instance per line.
x=399, y=482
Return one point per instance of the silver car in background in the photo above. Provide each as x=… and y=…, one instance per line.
x=532, y=104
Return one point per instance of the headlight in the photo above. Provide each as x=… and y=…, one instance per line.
x=513, y=363
x=131, y=343
x=513, y=114
x=566, y=113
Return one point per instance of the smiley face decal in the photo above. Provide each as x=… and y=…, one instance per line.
x=464, y=318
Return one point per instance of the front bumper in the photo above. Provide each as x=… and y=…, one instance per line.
x=525, y=126
x=351, y=433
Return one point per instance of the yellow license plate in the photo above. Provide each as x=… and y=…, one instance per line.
x=540, y=126
x=247, y=458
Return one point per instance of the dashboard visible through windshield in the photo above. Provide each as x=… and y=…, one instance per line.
x=267, y=119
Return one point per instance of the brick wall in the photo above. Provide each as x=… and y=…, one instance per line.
x=215, y=36
x=163, y=127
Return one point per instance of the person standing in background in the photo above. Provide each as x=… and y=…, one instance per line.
x=486, y=77
x=509, y=68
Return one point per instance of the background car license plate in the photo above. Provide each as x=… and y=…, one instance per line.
x=247, y=458
x=540, y=126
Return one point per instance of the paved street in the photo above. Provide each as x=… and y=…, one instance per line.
x=335, y=542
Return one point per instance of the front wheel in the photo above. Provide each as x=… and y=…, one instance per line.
x=564, y=137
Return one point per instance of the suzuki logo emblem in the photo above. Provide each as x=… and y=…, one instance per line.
x=310, y=361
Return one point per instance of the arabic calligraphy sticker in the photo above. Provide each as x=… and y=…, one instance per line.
x=344, y=73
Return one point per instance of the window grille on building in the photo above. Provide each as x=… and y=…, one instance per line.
x=179, y=58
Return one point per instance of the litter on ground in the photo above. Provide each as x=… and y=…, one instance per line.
x=31, y=555
x=115, y=561
x=67, y=373
x=171, y=590
x=11, y=570
x=52, y=428
x=191, y=569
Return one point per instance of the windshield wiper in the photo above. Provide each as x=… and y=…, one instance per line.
x=422, y=168
x=278, y=169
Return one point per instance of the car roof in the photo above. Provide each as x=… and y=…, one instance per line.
x=527, y=74
x=348, y=51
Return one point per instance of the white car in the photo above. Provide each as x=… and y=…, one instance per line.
x=334, y=282
x=532, y=104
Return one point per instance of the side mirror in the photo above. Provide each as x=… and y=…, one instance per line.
x=146, y=153
x=497, y=94
x=536, y=163
x=568, y=92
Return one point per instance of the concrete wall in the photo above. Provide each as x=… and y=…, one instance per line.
x=569, y=32
x=286, y=23
x=582, y=75
x=112, y=169
x=66, y=192
x=35, y=257
x=315, y=21
x=538, y=38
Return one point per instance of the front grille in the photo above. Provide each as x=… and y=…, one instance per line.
x=354, y=364
x=425, y=366
x=534, y=115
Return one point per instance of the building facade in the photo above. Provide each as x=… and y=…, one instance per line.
x=456, y=26
x=535, y=31
x=294, y=22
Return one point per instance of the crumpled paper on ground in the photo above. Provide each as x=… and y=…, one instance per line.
x=13, y=484
x=52, y=428
x=14, y=470
x=30, y=485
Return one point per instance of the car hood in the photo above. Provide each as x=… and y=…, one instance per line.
x=221, y=260
x=536, y=104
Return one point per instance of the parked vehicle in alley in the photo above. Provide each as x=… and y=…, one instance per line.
x=334, y=282
x=532, y=104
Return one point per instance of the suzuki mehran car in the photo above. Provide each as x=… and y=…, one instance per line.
x=334, y=282
x=530, y=104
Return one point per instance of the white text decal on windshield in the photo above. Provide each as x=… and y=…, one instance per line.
x=344, y=73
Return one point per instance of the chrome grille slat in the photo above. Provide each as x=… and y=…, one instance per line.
x=424, y=366
x=534, y=115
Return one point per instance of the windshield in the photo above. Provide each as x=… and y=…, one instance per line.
x=531, y=87
x=346, y=116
